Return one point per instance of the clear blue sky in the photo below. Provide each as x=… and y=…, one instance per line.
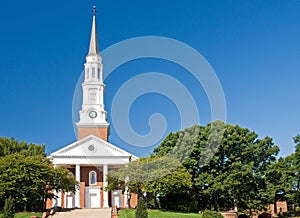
x=253, y=46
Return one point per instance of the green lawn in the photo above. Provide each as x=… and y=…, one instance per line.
x=157, y=214
x=25, y=215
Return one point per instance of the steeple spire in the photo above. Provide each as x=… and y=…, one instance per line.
x=92, y=116
x=93, y=41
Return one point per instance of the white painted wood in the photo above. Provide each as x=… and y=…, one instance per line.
x=105, y=183
x=77, y=194
x=92, y=197
x=70, y=200
x=117, y=198
x=59, y=195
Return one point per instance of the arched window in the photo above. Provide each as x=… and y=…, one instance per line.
x=93, y=178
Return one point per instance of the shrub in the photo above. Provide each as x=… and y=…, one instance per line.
x=141, y=210
x=178, y=202
x=210, y=214
x=291, y=213
x=9, y=208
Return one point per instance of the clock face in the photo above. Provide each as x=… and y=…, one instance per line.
x=92, y=114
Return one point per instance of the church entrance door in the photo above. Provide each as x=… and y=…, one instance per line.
x=92, y=197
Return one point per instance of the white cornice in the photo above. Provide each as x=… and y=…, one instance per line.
x=122, y=153
x=93, y=125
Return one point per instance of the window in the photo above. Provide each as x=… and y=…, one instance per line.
x=99, y=73
x=93, y=178
x=93, y=72
x=87, y=73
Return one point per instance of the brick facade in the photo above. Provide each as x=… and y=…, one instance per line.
x=82, y=194
x=49, y=203
x=281, y=207
x=96, y=131
x=133, y=200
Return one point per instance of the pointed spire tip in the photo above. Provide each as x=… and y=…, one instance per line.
x=93, y=41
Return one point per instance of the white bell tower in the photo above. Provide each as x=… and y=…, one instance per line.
x=92, y=114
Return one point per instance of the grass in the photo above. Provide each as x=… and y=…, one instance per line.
x=25, y=215
x=158, y=214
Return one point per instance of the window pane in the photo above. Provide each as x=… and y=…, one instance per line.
x=93, y=178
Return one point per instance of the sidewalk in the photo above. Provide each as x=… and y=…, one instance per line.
x=79, y=213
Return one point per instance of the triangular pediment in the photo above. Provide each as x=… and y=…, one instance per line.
x=91, y=146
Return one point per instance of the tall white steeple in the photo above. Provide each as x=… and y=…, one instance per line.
x=92, y=114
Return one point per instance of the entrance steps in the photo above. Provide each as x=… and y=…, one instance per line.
x=81, y=213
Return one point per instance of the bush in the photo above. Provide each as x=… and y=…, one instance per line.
x=210, y=214
x=178, y=202
x=9, y=208
x=291, y=213
x=141, y=210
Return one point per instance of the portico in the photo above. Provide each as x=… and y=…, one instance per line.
x=89, y=160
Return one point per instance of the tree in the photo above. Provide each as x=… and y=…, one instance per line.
x=27, y=175
x=141, y=211
x=296, y=163
x=23, y=177
x=154, y=176
x=279, y=180
x=59, y=180
x=9, y=208
x=227, y=164
x=10, y=146
x=225, y=167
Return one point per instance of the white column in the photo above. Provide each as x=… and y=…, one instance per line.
x=54, y=200
x=126, y=194
x=59, y=199
x=105, y=183
x=77, y=195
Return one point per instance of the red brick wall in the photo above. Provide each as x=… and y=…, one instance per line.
x=101, y=193
x=82, y=194
x=133, y=200
x=49, y=203
x=279, y=204
x=63, y=200
x=99, y=132
x=84, y=174
x=72, y=170
x=123, y=201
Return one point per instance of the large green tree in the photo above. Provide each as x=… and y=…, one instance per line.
x=151, y=177
x=12, y=146
x=282, y=178
x=226, y=167
x=297, y=170
x=227, y=164
x=27, y=175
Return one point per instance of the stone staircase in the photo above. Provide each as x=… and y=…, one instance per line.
x=81, y=213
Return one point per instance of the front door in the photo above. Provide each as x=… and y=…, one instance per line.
x=117, y=201
x=94, y=200
x=92, y=197
x=116, y=197
x=70, y=200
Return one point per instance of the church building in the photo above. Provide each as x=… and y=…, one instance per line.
x=91, y=157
